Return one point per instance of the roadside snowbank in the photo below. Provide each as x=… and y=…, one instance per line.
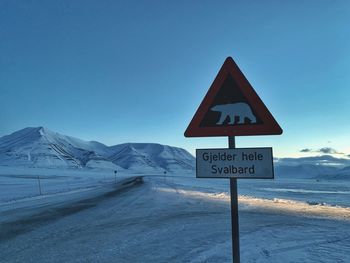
x=276, y=205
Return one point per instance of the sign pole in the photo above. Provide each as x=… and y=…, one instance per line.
x=39, y=184
x=234, y=210
x=231, y=108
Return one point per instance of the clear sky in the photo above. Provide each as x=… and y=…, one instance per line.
x=136, y=71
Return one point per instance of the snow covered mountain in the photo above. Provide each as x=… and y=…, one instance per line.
x=304, y=171
x=40, y=147
x=316, y=167
x=131, y=155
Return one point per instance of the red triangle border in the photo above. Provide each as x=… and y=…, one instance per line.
x=268, y=127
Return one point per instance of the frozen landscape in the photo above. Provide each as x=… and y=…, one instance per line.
x=61, y=201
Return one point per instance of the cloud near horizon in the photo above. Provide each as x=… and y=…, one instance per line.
x=325, y=160
x=324, y=150
x=306, y=150
x=329, y=150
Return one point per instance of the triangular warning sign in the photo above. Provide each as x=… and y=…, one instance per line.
x=231, y=107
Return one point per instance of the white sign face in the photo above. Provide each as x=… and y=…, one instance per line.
x=253, y=163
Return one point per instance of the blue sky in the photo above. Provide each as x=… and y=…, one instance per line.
x=136, y=71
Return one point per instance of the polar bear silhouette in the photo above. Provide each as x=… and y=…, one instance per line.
x=241, y=110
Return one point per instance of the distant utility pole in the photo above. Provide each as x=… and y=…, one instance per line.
x=39, y=185
x=115, y=176
x=164, y=175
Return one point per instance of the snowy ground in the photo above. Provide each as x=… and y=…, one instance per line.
x=177, y=218
x=17, y=183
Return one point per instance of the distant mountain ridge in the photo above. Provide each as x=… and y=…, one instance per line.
x=43, y=148
x=312, y=171
x=313, y=167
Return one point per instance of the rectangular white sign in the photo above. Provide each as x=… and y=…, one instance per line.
x=254, y=163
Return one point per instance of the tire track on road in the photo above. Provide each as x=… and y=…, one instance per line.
x=52, y=213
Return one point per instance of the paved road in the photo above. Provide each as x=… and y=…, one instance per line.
x=28, y=214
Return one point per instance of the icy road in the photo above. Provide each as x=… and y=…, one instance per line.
x=161, y=220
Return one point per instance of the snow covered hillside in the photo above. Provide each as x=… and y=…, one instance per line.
x=41, y=148
x=316, y=167
x=69, y=215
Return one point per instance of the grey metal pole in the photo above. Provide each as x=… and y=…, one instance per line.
x=39, y=185
x=234, y=210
